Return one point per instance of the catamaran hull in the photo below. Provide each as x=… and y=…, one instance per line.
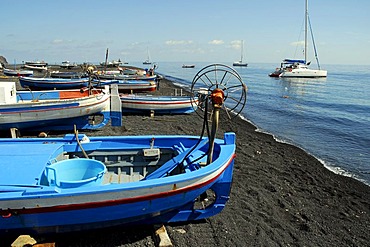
x=304, y=73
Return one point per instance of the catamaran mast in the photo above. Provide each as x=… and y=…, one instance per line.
x=305, y=32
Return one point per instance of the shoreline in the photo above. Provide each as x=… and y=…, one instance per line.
x=280, y=196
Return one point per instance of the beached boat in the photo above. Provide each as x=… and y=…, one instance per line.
x=56, y=109
x=68, y=74
x=68, y=65
x=158, y=104
x=113, y=63
x=53, y=83
x=240, y=63
x=293, y=68
x=52, y=187
x=36, y=63
x=17, y=72
x=120, y=76
x=131, y=86
x=37, y=68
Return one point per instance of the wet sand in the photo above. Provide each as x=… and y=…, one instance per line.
x=281, y=196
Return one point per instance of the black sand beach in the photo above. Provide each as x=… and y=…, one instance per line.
x=281, y=196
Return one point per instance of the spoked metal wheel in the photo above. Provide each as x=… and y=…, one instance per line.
x=219, y=78
x=213, y=86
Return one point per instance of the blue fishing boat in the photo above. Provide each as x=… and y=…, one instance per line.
x=76, y=182
x=17, y=72
x=52, y=187
x=158, y=104
x=53, y=83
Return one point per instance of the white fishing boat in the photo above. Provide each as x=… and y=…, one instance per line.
x=36, y=63
x=68, y=65
x=57, y=109
x=158, y=104
x=36, y=68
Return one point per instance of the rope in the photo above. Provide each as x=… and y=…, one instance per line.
x=79, y=143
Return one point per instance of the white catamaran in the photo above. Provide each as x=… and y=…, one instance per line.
x=299, y=68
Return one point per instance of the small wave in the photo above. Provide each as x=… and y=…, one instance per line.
x=341, y=171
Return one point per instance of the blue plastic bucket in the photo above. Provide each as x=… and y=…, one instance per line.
x=75, y=173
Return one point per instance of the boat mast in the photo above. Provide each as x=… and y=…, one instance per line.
x=305, y=32
x=241, y=55
x=106, y=60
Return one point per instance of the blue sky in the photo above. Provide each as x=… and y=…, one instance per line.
x=183, y=31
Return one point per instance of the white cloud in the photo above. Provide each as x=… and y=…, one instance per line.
x=300, y=43
x=179, y=42
x=57, y=41
x=236, y=44
x=216, y=42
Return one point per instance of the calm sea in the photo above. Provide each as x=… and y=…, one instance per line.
x=329, y=118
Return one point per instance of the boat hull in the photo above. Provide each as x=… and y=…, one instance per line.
x=160, y=105
x=131, y=86
x=55, y=110
x=53, y=83
x=303, y=73
x=158, y=198
x=10, y=72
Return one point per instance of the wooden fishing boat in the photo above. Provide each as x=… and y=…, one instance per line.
x=36, y=63
x=68, y=65
x=77, y=182
x=131, y=86
x=57, y=109
x=53, y=83
x=158, y=104
x=120, y=76
x=52, y=187
x=17, y=72
x=68, y=74
x=36, y=68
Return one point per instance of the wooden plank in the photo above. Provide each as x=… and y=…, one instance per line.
x=164, y=239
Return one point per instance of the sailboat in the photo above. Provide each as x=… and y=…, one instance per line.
x=240, y=62
x=299, y=68
x=147, y=61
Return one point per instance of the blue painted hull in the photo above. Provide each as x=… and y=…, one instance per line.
x=31, y=203
x=53, y=83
